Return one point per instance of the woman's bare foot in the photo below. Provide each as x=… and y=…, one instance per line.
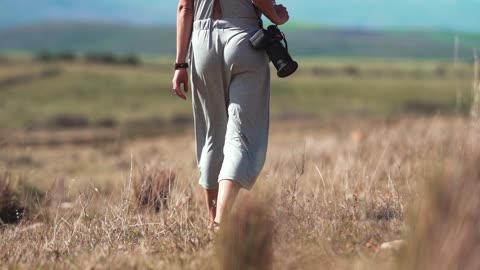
x=214, y=227
x=211, y=201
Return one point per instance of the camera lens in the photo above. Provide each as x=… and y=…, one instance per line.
x=281, y=59
x=286, y=69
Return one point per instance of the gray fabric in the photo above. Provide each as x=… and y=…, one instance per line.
x=230, y=9
x=231, y=93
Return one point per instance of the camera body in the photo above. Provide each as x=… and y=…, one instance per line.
x=270, y=39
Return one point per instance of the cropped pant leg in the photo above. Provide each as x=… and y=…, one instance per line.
x=247, y=131
x=248, y=110
x=209, y=103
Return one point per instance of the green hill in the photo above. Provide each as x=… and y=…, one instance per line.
x=303, y=40
x=87, y=37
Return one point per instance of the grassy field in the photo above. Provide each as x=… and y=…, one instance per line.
x=33, y=93
x=371, y=165
x=332, y=196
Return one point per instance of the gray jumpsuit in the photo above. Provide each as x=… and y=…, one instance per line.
x=231, y=94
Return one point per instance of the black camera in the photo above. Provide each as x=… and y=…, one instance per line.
x=270, y=39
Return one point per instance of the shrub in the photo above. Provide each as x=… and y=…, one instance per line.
x=44, y=56
x=106, y=122
x=11, y=208
x=102, y=58
x=112, y=59
x=67, y=121
x=152, y=187
x=66, y=56
x=131, y=60
x=351, y=71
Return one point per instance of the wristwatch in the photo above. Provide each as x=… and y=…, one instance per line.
x=180, y=65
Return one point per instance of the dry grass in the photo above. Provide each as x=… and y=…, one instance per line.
x=246, y=240
x=445, y=228
x=152, y=187
x=475, y=109
x=11, y=207
x=333, y=193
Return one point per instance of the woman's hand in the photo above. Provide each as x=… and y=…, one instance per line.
x=277, y=14
x=180, y=78
x=282, y=15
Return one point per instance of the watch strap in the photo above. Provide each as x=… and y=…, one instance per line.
x=180, y=65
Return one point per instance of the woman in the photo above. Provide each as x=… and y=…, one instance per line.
x=231, y=92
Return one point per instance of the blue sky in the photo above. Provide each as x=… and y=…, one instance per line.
x=459, y=15
x=446, y=14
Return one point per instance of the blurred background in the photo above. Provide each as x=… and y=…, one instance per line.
x=89, y=71
x=108, y=63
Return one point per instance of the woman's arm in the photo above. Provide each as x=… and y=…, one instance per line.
x=184, y=28
x=278, y=14
x=184, y=33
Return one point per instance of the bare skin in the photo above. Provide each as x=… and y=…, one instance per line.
x=227, y=193
x=218, y=202
x=277, y=14
x=217, y=10
x=184, y=33
x=211, y=200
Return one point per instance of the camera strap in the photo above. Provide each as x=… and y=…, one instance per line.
x=259, y=15
x=260, y=21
